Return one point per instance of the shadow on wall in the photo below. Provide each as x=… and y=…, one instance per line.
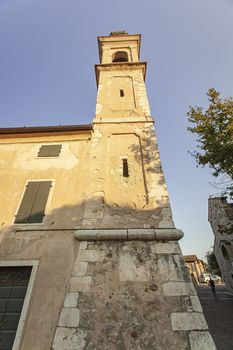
x=147, y=153
x=53, y=243
x=95, y=213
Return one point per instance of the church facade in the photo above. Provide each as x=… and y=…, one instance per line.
x=89, y=253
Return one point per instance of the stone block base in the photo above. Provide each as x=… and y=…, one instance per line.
x=132, y=295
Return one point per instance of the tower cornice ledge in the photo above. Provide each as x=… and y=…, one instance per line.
x=120, y=66
x=158, y=234
x=114, y=120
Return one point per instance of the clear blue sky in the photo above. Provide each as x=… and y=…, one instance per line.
x=47, y=52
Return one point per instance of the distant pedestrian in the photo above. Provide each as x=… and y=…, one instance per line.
x=212, y=286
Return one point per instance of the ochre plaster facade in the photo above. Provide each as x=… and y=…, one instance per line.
x=110, y=271
x=196, y=267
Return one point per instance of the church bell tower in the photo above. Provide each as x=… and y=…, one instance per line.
x=129, y=187
x=120, y=79
x=134, y=289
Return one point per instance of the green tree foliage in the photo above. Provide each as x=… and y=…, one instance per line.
x=214, y=130
x=212, y=263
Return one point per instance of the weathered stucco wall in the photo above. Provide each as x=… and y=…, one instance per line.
x=51, y=243
x=110, y=104
x=20, y=164
x=87, y=178
x=114, y=201
x=89, y=191
x=56, y=253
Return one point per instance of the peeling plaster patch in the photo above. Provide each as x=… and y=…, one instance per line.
x=94, y=207
x=98, y=108
x=158, y=187
x=167, y=218
x=27, y=158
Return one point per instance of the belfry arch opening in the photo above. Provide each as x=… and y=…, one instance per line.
x=120, y=56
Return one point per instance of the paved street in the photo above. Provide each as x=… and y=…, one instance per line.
x=219, y=315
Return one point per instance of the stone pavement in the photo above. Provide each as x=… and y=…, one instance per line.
x=219, y=315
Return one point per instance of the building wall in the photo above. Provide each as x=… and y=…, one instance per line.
x=19, y=163
x=140, y=200
x=196, y=267
x=88, y=192
x=131, y=81
x=221, y=221
x=51, y=243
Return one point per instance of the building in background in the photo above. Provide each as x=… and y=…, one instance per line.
x=196, y=267
x=89, y=253
x=220, y=216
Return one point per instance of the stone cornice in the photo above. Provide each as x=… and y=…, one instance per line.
x=120, y=66
x=157, y=234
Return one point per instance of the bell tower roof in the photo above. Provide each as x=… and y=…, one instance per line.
x=119, y=41
x=119, y=32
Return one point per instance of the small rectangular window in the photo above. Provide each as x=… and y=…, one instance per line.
x=125, y=168
x=13, y=286
x=49, y=151
x=122, y=93
x=33, y=204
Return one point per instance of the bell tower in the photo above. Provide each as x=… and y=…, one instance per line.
x=120, y=78
x=134, y=288
x=130, y=182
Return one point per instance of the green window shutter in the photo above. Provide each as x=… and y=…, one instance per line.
x=49, y=151
x=27, y=203
x=54, y=150
x=38, y=208
x=33, y=203
x=43, y=151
